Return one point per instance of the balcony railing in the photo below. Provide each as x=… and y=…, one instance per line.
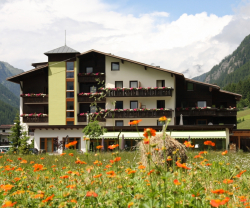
x=84, y=118
x=139, y=92
x=4, y=143
x=90, y=78
x=90, y=99
x=35, y=100
x=35, y=119
x=139, y=114
x=206, y=112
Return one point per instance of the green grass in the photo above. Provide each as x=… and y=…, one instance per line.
x=246, y=115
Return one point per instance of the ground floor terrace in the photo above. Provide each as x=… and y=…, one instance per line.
x=54, y=138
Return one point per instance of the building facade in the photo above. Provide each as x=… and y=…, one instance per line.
x=59, y=97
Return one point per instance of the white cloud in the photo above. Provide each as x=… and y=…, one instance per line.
x=192, y=43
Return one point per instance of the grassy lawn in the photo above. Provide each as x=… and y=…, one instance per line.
x=246, y=115
x=118, y=179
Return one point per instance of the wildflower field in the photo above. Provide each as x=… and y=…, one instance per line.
x=118, y=179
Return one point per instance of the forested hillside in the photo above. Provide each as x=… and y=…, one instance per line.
x=232, y=68
x=7, y=113
x=6, y=70
x=8, y=97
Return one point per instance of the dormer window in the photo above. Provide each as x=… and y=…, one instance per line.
x=190, y=86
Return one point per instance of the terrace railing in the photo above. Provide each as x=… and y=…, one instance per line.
x=84, y=118
x=87, y=99
x=206, y=112
x=35, y=119
x=35, y=100
x=91, y=78
x=139, y=92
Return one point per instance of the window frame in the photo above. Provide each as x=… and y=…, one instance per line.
x=116, y=83
x=157, y=104
x=202, y=101
x=163, y=83
x=159, y=122
x=116, y=121
x=133, y=101
x=192, y=85
x=119, y=101
x=133, y=81
x=115, y=63
x=89, y=67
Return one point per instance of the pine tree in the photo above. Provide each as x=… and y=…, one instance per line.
x=15, y=135
x=24, y=146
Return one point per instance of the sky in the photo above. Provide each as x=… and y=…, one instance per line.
x=189, y=37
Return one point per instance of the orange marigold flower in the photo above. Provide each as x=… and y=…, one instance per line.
x=91, y=193
x=23, y=161
x=42, y=158
x=135, y=122
x=146, y=141
x=141, y=167
x=197, y=156
x=210, y=143
x=64, y=177
x=97, y=176
x=227, y=181
x=188, y=144
x=130, y=204
x=71, y=154
x=17, y=179
x=9, y=204
x=38, y=196
x=151, y=171
x=108, y=166
x=73, y=201
x=19, y=158
x=117, y=159
x=113, y=146
x=224, y=153
x=163, y=118
x=182, y=166
x=49, y=198
x=63, y=154
x=99, y=147
x=217, y=202
x=7, y=187
x=71, y=144
x=176, y=182
x=31, y=162
x=208, y=164
x=111, y=173
x=71, y=186
x=132, y=172
x=37, y=167
x=149, y=132
x=218, y=191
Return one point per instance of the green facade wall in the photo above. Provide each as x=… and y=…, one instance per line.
x=57, y=93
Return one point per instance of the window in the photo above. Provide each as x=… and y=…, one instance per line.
x=70, y=105
x=133, y=104
x=70, y=94
x=159, y=123
x=89, y=70
x=3, y=130
x=115, y=66
x=201, y=104
x=70, y=122
x=70, y=66
x=47, y=144
x=133, y=84
x=160, y=83
x=119, y=123
x=70, y=85
x=70, y=114
x=190, y=86
x=201, y=121
x=119, y=105
x=160, y=104
x=119, y=84
x=92, y=109
x=92, y=89
x=69, y=75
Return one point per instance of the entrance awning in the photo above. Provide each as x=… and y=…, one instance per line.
x=199, y=134
x=132, y=135
x=108, y=135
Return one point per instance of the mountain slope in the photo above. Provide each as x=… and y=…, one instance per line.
x=232, y=68
x=8, y=97
x=7, y=113
x=6, y=70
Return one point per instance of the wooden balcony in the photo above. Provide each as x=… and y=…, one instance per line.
x=35, y=100
x=207, y=112
x=140, y=93
x=91, y=78
x=139, y=114
x=84, y=118
x=197, y=112
x=4, y=143
x=87, y=99
x=35, y=119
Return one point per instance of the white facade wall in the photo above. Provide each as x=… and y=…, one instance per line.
x=147, y=78
x=60, y=133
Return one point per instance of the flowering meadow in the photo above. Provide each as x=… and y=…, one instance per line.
x=118, y=179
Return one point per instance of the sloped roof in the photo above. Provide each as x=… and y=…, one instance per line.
x=63, y=49
x=132, y=61
x=203, y=83
x=232, y=93
x=13, y=78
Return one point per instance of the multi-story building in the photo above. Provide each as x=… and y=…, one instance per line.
x=5, y=131
x=57, y=99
